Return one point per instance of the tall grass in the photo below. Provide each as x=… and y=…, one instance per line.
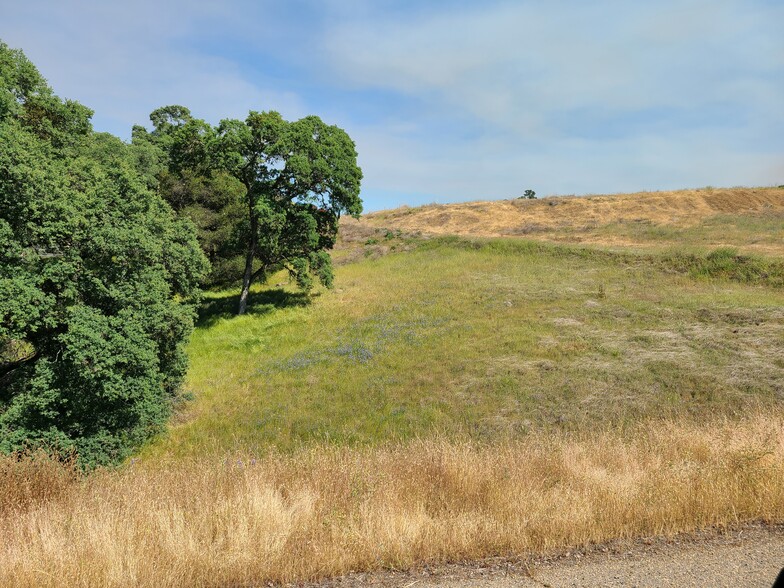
x=325, y=510
x=761, y=233
x=722, y=263
x=34, y=478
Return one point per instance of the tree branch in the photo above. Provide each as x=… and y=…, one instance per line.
x=258, y=272
x=7, y=370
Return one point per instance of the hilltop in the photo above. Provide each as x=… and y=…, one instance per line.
x=751, y=219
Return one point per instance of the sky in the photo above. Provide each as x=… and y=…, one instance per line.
x=448, y=101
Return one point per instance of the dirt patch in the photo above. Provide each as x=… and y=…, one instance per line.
x=748, y=555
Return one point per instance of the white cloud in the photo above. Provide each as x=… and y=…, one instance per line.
x=123, y=60
x=513, y=64
x=577, y=97
x=454, y=100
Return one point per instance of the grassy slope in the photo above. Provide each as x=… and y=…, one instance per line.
x=530, y=349
x=484, y=340
x=751, y=219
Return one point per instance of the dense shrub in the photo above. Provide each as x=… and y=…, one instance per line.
x=97, y=278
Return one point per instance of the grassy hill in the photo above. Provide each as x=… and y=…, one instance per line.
x=751, y=219
x=493, y=338
x=615, y=372
x=486, y=340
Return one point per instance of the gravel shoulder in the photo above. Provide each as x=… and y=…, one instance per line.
x=746, y=556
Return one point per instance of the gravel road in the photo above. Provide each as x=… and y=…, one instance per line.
x=749, y=556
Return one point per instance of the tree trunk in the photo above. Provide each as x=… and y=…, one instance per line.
x=246, y=280
x=247, y=277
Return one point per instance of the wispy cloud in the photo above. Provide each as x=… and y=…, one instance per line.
x=519, y=59
x=450, y=100
x=126, y=59
x=579, y=97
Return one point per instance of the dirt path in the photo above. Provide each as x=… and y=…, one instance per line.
x=750, y=556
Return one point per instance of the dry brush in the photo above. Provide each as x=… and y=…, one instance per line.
x=322, y=511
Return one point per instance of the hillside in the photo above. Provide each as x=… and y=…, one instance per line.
x=453, y=398
x=751, y=219
x=485, y=340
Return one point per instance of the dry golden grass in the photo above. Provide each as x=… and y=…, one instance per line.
x=575, y=219
x=33, y=479
x=328, y=510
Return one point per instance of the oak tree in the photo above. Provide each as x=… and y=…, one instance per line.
x=299, y=177
x=293, y=179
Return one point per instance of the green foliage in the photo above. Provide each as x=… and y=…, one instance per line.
x=186, y=177
x=299, y=177
x=95, y=272
x=726, y=263
x=723, y=263
x=529, y=195
x=266, y=189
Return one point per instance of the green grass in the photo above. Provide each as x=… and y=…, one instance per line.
x=485, y=340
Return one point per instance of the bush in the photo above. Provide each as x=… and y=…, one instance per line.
x=97, y=281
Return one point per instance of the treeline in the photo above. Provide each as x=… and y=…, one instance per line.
x=104, y=246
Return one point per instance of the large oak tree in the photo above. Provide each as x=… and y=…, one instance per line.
x=295, y=180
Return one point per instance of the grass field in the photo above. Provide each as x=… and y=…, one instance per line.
x=454, y=397
x=326, y=510
x=483, y=340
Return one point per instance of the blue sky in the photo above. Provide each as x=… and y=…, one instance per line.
x=448, y=100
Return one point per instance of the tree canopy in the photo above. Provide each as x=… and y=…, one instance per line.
x=103, y=246
x=97, y=279
x=292, y=180
x=188, y=179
